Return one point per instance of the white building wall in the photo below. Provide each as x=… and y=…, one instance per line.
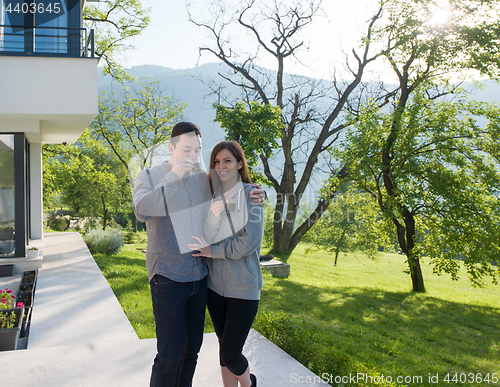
x=59, y=93
x=36, y=202
x=51, y=100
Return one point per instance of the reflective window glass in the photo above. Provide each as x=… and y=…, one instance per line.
x=7, y=196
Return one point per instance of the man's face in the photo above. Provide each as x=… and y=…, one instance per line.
x=188, y=145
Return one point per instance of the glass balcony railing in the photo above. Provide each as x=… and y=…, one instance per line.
x=46, y=41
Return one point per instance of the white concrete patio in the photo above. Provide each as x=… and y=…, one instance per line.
x=80, y=336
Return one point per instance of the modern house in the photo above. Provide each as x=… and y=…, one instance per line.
x=48, y=94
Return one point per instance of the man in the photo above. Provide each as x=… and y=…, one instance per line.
x=168, y=197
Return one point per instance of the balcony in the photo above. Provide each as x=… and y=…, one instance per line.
x=17, y=40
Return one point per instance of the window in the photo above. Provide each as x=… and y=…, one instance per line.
x=7, y=196
x=40, y=27
x=14, y=195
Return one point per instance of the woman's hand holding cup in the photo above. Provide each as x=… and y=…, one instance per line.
x=217, y=208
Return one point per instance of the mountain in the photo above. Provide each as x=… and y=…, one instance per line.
x=183, y=86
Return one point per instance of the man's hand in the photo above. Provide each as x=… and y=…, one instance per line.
x=258, y=195
x=181, y=166
x=202, y=246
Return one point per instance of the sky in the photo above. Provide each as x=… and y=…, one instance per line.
x=172, y=41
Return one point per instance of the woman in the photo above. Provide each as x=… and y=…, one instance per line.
x=233, y=232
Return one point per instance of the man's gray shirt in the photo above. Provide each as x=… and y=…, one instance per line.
x=173, y=211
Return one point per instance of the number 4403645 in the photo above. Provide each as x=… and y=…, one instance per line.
x=471, y=378
x=34, y=8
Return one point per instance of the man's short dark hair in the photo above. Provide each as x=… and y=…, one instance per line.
x=183, y=128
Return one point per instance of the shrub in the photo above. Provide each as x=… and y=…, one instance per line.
x=290, y=338
x=89, y=224
x=268, y=237
x=108, y=241
x=307, y=347
x=58, y=223
x=131, y=236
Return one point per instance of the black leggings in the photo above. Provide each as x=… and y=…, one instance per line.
x=232, y=319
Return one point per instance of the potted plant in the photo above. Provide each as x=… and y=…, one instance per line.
x=10, y=328
x=29, y=277
x=28, y=288
x=10, y=320
x=7, y=299
x=25, y=298
x=32, y=252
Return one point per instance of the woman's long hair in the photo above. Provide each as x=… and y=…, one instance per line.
x=238, y=154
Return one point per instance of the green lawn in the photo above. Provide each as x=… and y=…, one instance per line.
x=126, y=274
x=365, y=309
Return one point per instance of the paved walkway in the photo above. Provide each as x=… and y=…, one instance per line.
x=80, y=336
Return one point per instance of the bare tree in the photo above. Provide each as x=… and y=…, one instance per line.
x=313, y=111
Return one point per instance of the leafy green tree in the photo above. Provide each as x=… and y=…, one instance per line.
x=85, y=175
x=7, y=166
x=424, y=156
x=439, y=190
x=115, y=22
x=256, y=129
x=350, y=225
x=136, y=127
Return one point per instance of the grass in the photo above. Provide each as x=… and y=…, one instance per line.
x=366, y=309
x=127, y=275
x=363, y=308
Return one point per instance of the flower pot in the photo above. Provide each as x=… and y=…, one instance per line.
x=29, y=277
x=10, y=336
x=28, y=288
x=25, y=298
x=6, y=270
x=32, y=254
x=25, y=325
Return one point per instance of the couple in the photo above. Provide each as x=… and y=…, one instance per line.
x=204, y=236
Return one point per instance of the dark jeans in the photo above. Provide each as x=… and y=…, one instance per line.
x=232, y=319
x=179, y=310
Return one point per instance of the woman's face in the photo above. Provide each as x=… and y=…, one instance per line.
x=227, y=166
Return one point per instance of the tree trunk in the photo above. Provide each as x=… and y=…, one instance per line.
x=105, y=212
x=105, y=219
x=339, y=243
x=284, y=222
x=417, y=279
x=277, y=224
x=406, y=237
x=406, y=244
x=134, y=222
